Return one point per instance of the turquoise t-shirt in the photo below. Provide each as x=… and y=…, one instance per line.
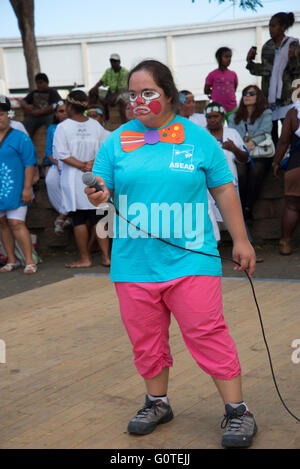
x=162, y=188
x=17, y=153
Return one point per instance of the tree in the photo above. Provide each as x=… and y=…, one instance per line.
x=24, y=11
x=244, y=4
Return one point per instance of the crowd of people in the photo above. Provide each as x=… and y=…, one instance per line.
x=230, y=148
x=246, y=131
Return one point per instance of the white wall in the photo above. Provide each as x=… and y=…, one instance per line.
x=188, y=50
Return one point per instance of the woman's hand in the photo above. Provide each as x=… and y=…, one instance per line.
x=26, y=195
x=276, y=169
x=244, y=254
x=88, y=166
x=251, y=54
x=97, y=198
x=250, y=145
x=229, y=145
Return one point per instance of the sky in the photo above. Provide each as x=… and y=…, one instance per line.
x=90, y=16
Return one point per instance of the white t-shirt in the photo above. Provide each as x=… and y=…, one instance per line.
x=18, y=125
x=81, y=140
x=229, y=134
x=198, y=119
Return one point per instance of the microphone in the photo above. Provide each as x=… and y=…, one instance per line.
x=89, y=179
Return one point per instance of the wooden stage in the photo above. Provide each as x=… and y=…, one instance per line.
x=69, y=379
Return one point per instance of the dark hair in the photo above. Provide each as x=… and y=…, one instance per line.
x=55, y=106
x=41, y=77
x=186, y=92
x=285, y=19
x=260, y=106
x=162, y=77
x=5, y=106
x=220, y=52
x=78, y=100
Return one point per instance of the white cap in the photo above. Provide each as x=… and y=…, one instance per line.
x=114, y=57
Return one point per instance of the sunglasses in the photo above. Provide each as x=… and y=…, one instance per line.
x=249, y=93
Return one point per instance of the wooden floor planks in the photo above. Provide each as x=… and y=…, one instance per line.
x=69, y=380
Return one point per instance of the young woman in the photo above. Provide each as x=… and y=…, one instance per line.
x=221, y=83
x=187, y=108
x=76, y=142
x=229, y=140
x=17, y=162
x=279, y=67
x=161, y=160
x=253, y=121
x=53, y=175
x=290, y=136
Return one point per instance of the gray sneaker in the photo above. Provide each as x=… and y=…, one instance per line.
x=147, y=418
x=240, y=427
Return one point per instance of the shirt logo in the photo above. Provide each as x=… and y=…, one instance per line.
x=182, y=158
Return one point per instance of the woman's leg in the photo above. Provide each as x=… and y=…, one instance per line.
x=158, y=386
x=257, y=175
x=243, y=173
x=8, y=240
x=290, y=220
x=23, y=238
x=230, y=390
x=81, y=234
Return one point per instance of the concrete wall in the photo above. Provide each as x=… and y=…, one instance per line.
x=188, y=50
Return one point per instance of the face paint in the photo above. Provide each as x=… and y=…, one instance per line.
x=146, y=103
x=155, y=107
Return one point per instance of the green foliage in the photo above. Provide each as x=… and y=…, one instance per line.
x=244, y=4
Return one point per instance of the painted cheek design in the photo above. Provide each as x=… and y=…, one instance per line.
x=155, y=107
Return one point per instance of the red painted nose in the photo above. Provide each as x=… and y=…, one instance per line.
x=139, y=100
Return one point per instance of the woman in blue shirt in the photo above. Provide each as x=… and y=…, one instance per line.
x=53, y=174
x=159, y=167
x=17, y=161
x=253, y=121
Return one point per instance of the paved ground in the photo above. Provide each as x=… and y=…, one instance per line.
x=53, y=269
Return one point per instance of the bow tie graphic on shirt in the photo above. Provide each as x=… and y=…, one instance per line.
x=171, y=134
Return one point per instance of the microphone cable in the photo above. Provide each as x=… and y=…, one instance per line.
x=253, y=293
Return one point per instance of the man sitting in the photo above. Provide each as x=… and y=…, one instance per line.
x=115, y=78
x=38, y=105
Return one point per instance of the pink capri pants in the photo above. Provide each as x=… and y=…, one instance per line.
x=196, y=303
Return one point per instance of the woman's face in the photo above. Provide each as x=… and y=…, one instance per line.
x=4, y=121
x=214, y=120
x=94, y=115
x=249, y=97
x=61, y=113
x=188, y=107
x=148, y=101
x=275, y=29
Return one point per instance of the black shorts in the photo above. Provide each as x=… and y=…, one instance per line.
x=80, y=217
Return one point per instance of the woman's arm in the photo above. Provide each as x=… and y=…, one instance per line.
x=71, y=161
x=284, y=141
x=240, y=155
x=27, y=189
x=230, y=208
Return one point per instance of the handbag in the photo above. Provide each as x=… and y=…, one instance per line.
x=264, y=149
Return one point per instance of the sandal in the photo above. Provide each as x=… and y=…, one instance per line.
x=59, y=226
x=30, y=269
x=9, y=267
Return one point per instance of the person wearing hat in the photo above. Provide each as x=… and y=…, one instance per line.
x=115, y=78
x=17, y=161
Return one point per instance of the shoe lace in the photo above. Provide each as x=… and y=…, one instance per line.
x=233, y=420
x=150, y=406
